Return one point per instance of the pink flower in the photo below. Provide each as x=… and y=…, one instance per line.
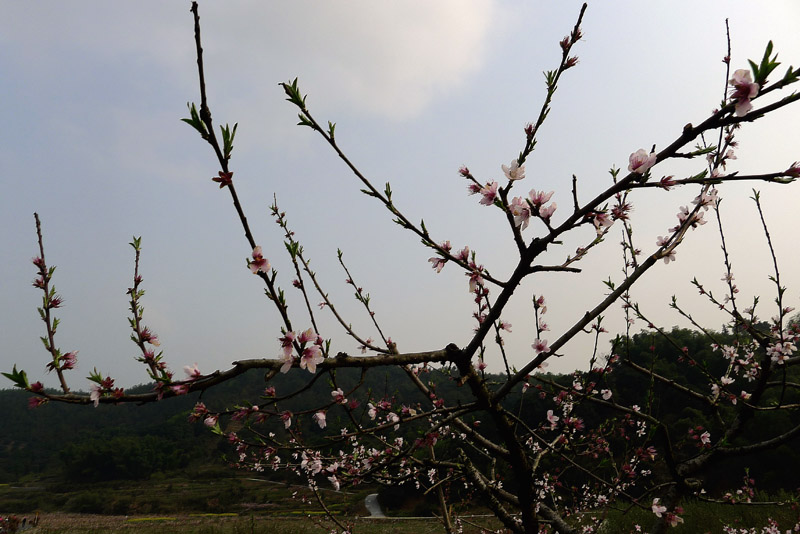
x=743, y=90
x=288, y=361
x=286, y=417
x=35, y=402
x=198, y=411
x=793, y=171
x=312, y=356
x=606, y=393
x=37, y=387
x=540, y=345
x=545, y=212
x=224, y=179
x=372, y=411
x=666, y=183
x=705, y=438
x=601, y=221
x=259, y=262
x=307, y=336
x=286, y=343
x=149, y=337
x=210, y=421
x=437, y=263
x=192, y=372
x=366, y=345
x=640, y=161
x=475, y=280
x=320, y=419
x=393, y=418
x=338, y=396
x=521, y=211
x=489, y=193
x=463, y=254
x=69, y=360
x=673, y=520
x=180, y=389
x=95, y=394
x=539, y=198
x=515, y=171
x=552, y=419
x=657, y=508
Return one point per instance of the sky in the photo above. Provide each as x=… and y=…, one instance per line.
x=92, y=93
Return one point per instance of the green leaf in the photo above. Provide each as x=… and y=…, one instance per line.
x=304, y=121
x=195, y=121
x=768, y=64
x=20, y=378
x=227, y=139
x=293, y=93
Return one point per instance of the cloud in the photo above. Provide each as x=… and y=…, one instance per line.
x=390, y=59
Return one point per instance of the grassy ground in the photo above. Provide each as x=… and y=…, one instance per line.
x=218, y=503
x=85, y=524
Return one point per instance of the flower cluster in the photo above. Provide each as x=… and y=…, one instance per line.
x=534, y=205
x=309, y=344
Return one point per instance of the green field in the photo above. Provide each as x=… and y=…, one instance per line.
x=216, y=501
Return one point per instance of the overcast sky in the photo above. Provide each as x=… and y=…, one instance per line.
x=92, y=94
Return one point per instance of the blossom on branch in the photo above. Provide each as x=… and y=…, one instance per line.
x=489, y=193
x=437, y=262
x=552, y=419
x=259, y=262
x=794, y=170
x=338, y=396
x=515, y=171
x=743, y=90
x=97, y=391
x=320, y=419
x=539, y=198
x=286, y=417
x=657, y=508
x=640, y=161
x=312, y=356
x=288, y=361
x=192, y=372
x=545, y=212
x=224, y=179
x=521, y=211
x=147, y=336
x=667, y=182
x=69, y=360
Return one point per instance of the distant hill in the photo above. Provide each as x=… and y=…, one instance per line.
x=83, y=443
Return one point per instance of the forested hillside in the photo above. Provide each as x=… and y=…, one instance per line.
x=85, y=444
